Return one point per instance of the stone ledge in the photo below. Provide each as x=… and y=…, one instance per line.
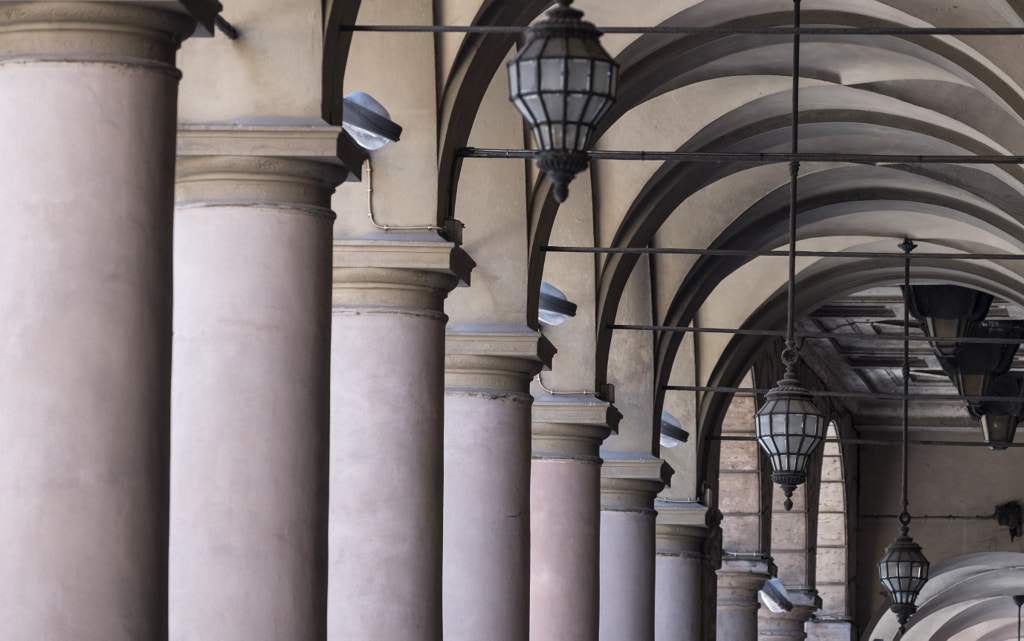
x=571, y=427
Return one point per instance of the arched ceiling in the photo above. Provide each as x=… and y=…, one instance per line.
x=912, y=95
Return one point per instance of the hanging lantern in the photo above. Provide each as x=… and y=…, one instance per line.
x=976, y=365
x=562, y=81
x=789, y=428
x=947, y=312
x=903, y=570
x=999, y=419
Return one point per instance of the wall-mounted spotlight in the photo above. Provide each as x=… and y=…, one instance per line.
x=672, y=433
x=368, y=122
x=553, y=307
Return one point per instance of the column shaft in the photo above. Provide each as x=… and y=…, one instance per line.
x=249, y=430
x=486, y=585
x=87, y=117
x=565, y=513
x=387, y=404
x=738, y=583
x=628, y=488
x=679, y=571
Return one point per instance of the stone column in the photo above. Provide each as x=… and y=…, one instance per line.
x=486, y=585
x=249, y=419
x=565, y=513
x=387, y=406
x=628, y=488
x=789, y=625
x=680, y=533
x=739, y=580
x=87, y=125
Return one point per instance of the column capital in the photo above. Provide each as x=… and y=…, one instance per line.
x=309, y=139
x=681, y=529
x=739, y=580
x=114, y=31
x=295, y=165
x=572, y=427
x=630, y=482
x=398, y=276
x=487, y=360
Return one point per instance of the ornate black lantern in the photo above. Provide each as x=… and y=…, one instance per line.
x=562, y=81
x=947, y=312
x=903, y=570
x=999, y=419
x=789, y=428
x=976, y=365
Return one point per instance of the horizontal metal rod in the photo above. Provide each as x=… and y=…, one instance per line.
x=758, y=157
x=813, y=335
x=869, y=441
x=878, y=396
x=705, y=31
x=744, y=253
x=943, y=517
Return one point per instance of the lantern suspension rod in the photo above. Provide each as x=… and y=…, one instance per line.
x=757, y=157
x=875, y=441
x=812, y=335
x=878, y=396
x=699, y=31
x=907, y=246
x=743, y=253
x=794, y=170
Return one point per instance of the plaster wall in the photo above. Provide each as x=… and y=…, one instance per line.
x=573, y=367
x=272, y=70
x=491, y=202
x=399, y=71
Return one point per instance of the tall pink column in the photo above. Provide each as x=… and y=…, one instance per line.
x=679, y=599
x=739, y=580
x=387, y=406
x=87, y=126
x=628, y=487
x=486, y=585
x=565, y=516
x=250, y=384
